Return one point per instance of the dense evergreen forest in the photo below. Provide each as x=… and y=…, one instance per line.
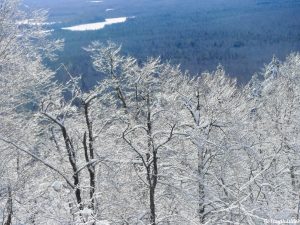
x=148, y=143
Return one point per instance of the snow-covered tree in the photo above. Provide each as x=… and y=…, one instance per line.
x=148, y=144
x=24, y=44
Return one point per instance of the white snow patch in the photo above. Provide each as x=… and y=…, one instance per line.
x=95, y=1
x=47, y=31
x=107, y=10
x=34, y=23
x=103, y=222
x=96, y=26
x=57, y=186
x=86, y=212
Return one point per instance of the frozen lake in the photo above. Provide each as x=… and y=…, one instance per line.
x=96, y=26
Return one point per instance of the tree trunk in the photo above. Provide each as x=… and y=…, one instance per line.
x=152, y=206
x=152, y=167
x=201, y=192
x=9, y=208
x=91, y=155
x=293, y=177
x=72, y=161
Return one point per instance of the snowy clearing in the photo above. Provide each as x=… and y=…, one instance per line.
x=96, y=26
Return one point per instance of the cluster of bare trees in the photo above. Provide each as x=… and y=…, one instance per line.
x=148, y=144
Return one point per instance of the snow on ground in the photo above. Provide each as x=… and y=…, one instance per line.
x=107, y=10
x=96, y=26
x=96, y=1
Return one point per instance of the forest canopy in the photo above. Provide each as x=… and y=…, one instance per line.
x=148, y=144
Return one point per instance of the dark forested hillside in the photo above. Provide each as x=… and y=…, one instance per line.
x=199, y=35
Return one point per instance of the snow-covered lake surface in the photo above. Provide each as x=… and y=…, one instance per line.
x=96, y=26
x=34, y=22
